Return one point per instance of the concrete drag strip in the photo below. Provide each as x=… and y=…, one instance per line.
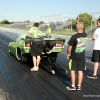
x=4, y=42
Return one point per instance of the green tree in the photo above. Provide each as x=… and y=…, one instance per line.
x=41, y=22
x=86, y=19
x=5, y=22
x=73, y=24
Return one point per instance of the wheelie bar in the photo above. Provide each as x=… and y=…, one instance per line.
x=49, y=65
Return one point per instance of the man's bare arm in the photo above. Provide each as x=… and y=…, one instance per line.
x=93, y=38
x=28, y=34
x=69, y=48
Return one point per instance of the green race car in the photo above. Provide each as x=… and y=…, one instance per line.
x=20, y=47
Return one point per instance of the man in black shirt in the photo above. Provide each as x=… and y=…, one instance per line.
x=76, y=55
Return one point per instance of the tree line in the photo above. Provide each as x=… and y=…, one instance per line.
x=5, y=22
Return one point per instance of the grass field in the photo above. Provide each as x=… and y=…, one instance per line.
x=4, y=25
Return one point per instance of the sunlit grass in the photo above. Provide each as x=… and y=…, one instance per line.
x=4, y=25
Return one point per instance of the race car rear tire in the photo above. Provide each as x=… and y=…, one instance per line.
x=52, y=57
x=21, y=57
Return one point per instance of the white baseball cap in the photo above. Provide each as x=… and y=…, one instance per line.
x=47, y=24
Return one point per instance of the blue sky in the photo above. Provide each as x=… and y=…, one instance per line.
x=33, y=9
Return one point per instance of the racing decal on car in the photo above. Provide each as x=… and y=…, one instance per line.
x=80, y=44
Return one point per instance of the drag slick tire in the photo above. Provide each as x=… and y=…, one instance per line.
x=53, y=57
x=21, y=57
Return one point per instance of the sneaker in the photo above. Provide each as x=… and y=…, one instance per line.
x=92, y=76
x=37, y=68
x=34, y=69
x=79, y=88
x=43, y=53
x=71, y=88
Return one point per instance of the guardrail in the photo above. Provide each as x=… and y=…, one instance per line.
x=23, y=24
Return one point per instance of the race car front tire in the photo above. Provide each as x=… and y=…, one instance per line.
x=10, y=51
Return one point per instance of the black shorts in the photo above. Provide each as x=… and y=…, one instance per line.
x=96, y=56
x=77, y=65
x=36, y=48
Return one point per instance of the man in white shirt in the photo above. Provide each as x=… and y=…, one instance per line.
x=96, y=50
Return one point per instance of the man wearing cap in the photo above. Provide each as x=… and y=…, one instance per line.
x=48, y=30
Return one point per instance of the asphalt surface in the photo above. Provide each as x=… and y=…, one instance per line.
x=17, y=82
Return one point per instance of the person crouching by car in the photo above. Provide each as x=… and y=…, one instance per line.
x=36, y=47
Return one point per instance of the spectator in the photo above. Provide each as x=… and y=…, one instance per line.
x=76, y=56
x=36, y=48
x=96, y=50
x=48, y=30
